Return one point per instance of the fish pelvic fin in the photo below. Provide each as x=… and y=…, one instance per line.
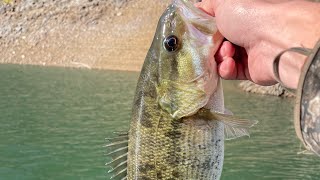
x=117, y=150
x=234, y=127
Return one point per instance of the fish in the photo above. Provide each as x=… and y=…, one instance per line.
x=179, y=122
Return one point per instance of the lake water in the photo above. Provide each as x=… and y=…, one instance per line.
x=54, y=121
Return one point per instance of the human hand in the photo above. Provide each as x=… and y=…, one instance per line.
x=256, y=31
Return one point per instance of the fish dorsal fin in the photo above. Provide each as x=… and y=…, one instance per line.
x=235, y=127
x=117, y=150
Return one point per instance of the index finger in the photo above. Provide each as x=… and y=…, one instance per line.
x=207, y=6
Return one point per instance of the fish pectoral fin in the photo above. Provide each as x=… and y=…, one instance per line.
x=235, y=127
x=117, y=149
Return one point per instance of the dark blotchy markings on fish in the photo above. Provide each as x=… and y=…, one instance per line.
x=174, y=71
x=144, y=168
x=172, y=135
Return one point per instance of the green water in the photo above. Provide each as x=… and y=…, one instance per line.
x=54, y=121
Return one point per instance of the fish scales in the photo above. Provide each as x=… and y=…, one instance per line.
x=163, y=148
x=188, y=148
x=178, y=121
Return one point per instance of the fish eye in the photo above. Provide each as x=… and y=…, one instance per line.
x=171, y=43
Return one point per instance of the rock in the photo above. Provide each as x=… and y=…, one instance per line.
x=276, y=90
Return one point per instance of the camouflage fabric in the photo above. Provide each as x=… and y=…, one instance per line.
x=307, y=110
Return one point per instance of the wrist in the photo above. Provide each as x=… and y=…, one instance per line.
x=297, y=23
x=297, y=27
x=290, y=68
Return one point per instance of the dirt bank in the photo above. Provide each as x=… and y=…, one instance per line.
x=103, y=34
x=109, y=34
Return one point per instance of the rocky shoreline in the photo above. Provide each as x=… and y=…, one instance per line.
x=275, y=90
x=101, y=34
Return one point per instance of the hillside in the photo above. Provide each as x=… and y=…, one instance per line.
x=108, y=34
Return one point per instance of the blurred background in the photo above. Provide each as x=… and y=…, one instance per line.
x=104, y=34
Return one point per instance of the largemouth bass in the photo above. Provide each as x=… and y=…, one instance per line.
x=178, y=123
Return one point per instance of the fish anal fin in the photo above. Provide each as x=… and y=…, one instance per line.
x=117, y=150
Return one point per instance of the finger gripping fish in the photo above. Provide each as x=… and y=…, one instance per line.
x=178, y=123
